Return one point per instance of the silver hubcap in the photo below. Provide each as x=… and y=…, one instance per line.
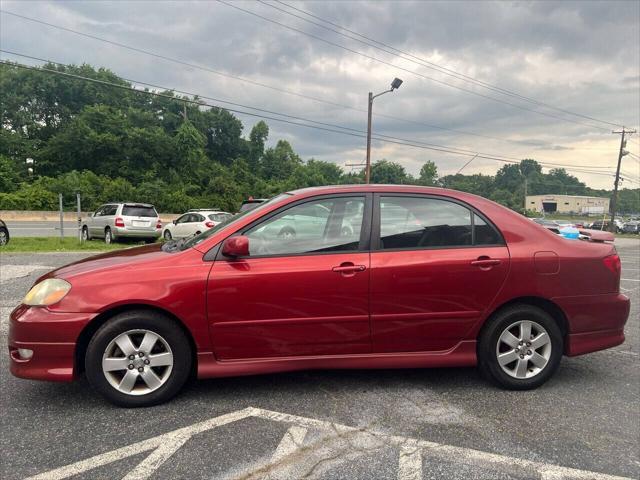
x=524, y=349
x=107, y=237
x=3, y=237
x=287, y=235
x=137, y=362
x=167, y=235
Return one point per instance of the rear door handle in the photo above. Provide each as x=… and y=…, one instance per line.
x=486, y=262
x=349, y=268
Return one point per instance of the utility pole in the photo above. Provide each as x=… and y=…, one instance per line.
x=621, y=153
x=367, y=169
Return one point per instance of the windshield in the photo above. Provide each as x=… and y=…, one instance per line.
x=193, y=241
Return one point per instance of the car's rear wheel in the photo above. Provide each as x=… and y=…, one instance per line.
x=520, y=348
x=108, y=236
x=85, y=234
x=167, y=235
x=138, y=358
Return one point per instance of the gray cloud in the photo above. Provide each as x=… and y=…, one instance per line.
x=580, y=56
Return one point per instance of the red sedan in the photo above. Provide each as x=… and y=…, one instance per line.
x=331, y=277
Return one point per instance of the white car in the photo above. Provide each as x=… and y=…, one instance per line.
x=194, y=222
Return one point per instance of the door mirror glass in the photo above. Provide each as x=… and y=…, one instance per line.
x=234, y=247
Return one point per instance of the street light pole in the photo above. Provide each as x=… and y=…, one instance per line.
x=394, y=85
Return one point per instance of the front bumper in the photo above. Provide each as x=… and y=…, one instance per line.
x=51, y=336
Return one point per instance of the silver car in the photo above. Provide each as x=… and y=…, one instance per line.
x=113, y=221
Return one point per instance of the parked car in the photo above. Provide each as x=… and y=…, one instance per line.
x=546, y=223
x=251, y=203
x=194, y=222
x=564, y=223
x=431, y=278
x=606, y=225
x=4, y=234
x=113, y=221
x=632, y=226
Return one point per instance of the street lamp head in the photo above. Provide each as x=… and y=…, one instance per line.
x=396, y=83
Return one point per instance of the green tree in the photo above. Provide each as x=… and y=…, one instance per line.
x=384, y=171
x=428, y=174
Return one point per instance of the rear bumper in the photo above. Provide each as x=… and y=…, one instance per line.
x=595, y=322
x=52, y=339
x=125, y=232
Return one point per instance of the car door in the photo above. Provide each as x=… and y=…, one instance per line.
x=436, y=266
x=299, y=295
x=93, y=222
x=181, y=226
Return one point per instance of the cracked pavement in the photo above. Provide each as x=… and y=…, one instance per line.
x=587, y=417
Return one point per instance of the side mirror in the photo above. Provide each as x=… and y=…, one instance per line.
x=175, y=222
x=236, y=247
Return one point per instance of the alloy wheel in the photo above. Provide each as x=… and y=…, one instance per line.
x=137, y=362
x=523, y=349
x=3, y=237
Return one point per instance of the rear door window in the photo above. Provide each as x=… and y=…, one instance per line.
x=138, y=211
x=413, y=222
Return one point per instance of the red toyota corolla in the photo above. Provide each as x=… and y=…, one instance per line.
x=330, y=277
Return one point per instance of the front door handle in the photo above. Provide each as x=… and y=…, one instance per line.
x=348, y=267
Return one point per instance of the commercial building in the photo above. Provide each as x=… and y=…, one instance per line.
x=576, y=204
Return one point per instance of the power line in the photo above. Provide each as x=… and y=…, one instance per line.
x=421, y=61
x=255, y=83
x=330, y=127
x=370, y=57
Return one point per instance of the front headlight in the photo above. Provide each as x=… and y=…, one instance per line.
x=47, y=292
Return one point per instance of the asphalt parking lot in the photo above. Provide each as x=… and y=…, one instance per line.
x=382, y=424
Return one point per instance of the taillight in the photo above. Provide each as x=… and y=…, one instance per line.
x=612, y=262
x=159, y=225
x=119, y=222
x=209, y=224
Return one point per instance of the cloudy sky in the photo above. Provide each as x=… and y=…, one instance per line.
x=549, y=60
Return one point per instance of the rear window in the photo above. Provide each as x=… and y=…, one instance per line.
x=138, y=211
x=219, y=217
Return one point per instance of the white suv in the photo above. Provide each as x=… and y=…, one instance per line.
x=194, y=222
x=123, y=220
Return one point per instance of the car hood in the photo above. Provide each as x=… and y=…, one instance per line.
x=125, y=258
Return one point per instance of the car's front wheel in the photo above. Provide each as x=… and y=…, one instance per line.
x=4, y=236
x=167, y=235
x=85, y=234
x=520, y=348
x=138, y=358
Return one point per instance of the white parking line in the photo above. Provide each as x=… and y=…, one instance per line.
x=291, y=442
x=630, y=279
x=410, y=463
x=410, y=457
x=160, y=455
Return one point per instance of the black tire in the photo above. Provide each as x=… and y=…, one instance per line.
x=167, y=236
x=139, y=320
x=86, y=236
x=108, y=236
x=4, y=236
x=488, y=345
